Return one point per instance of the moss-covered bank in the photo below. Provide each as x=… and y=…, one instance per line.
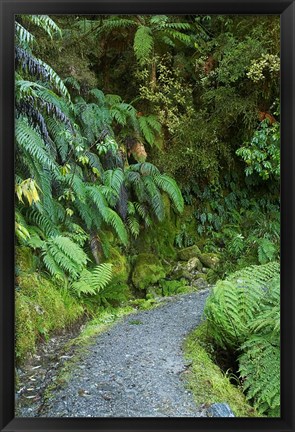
x=207, y=382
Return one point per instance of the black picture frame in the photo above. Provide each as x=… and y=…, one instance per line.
x=286, y=9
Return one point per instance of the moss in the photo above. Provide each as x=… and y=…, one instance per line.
x=121, y=267
x=41, y=307
x=210, y=260
x=147, y=271
x=26, y=261
x=188, y=253
x=207, y=382
x=159, y=238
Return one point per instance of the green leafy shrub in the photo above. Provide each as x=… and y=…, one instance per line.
x=243, y=314
x=259, y=363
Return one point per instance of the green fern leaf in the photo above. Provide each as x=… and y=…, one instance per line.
x=169, y=185
x=143, y=44
x=91, y=283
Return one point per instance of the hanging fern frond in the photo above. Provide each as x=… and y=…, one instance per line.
x=145, y=168
x=24, y=37
x=56, y=81
x=142, y=211
x=25, y=61
x=169, y=185
x=30, y=141
x=114, y=179
x=143, y=44
x=44, y=22
x=110, y=217
x=149, y=126
x=154, y=197
x=93, y=282
x=62, y=253
x=133, y=226
x=43, y=222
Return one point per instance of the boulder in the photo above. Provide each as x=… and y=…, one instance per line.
x=194, y=263
x=209, y=260
x=188, y=253
x=200, y=281
x=219, y=410
x=181, y=271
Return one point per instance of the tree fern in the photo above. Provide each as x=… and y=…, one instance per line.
x=93, y=282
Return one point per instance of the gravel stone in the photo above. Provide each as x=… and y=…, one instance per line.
x=135, y=370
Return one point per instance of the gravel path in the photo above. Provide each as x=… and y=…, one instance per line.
x=134, y=369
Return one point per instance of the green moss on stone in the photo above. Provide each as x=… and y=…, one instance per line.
x=147, y=271
x=188, y=253
x=209, y=260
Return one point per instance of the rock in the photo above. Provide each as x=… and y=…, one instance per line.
x=209, y=260
x=200, y=283
x=181, y=272
x=194, y=263
x=188, y=253
x=220, y=410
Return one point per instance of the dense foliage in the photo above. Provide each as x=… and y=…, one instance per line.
x=243, y=314
x=138, y=136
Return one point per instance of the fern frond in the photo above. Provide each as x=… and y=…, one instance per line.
x=259, y=365
x=143, y=44
x=133, y=226
x=91, y=283
x=56, y=81
x=154, y=197
x=169, y=185
x=267, y=251
x=114, y=179
x=23, y=35
x=30, y=141
x=112, y=218
x=66, y=255
x=44, y=22
x=149, y=127
x=145, y=168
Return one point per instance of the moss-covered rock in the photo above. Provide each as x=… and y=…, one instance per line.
x=147, y=271
x=158, y=239
x=194, y=264
x=209, y=260
x=121, y=267
x=181, y=272
x=188, y=253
